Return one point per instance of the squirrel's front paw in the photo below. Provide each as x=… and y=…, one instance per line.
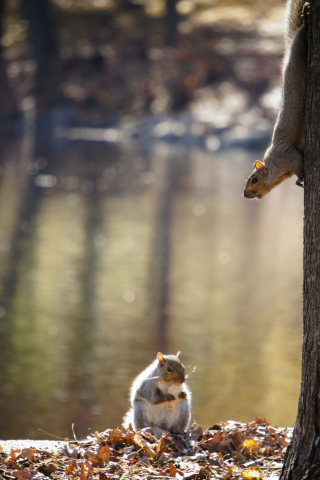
x=168, y=397
x=182, y=395
x=300, y=182
x=305, y=14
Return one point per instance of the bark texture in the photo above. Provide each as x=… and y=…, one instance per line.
x=302, y=460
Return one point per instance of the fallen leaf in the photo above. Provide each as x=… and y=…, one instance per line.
x=89, y=472
x=162, y=444
x=82, y=477
x=104, y=476
x=12, y=464
x=249, y=447
x=251, y=474
x=226, y=446
x=69, y=468
x=236, y=437
x=174, y=470
x=13, y=455
x=140, y=442
x=212, y=444
x=22, y=474
x=47, y=468
x=104, y=450
x=29, y=454
x=260, y=421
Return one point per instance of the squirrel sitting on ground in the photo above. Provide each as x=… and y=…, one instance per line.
x=160, y=398
x=284, y=157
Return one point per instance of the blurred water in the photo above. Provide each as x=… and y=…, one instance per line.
x=109, y=254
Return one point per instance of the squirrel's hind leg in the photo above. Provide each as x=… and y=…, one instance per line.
x=139, y=417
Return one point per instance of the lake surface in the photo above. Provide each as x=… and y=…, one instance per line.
x=110, y=253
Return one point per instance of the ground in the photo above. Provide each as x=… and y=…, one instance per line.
x=229, y=451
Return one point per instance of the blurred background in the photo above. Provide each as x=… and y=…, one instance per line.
x=127, y=129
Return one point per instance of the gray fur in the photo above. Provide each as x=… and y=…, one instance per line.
x=153, y=404
x=284, y=157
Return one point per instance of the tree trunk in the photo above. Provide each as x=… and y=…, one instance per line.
x=302, y=460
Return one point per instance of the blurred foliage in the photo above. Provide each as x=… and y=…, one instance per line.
x=113, y=62
x=158, y=7
x=152, y=7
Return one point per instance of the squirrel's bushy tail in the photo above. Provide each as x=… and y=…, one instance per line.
x=128, y=419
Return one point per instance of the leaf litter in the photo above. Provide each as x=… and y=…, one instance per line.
x=227, y=451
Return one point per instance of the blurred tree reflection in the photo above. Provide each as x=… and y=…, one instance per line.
x=41, y=32
x=172, y=19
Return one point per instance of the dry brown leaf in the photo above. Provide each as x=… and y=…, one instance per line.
x=116, y=436
x=212, y=443
x=104, y=476
x=260, y=421
x=12, y=464
x=23, y=474
x=140, y=442
x=89, y=472
x=162, y=444
x=226, y=446
x=47, y=468
x=13, y=455
x=29, y=454
x=82, y=476
x=250, y=447
x=236, y=438
x=174, y=470
x=69, y=468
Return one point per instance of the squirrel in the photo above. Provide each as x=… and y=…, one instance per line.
x=160, y=398
x=284, y=157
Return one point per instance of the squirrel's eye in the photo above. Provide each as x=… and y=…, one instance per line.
x=169, y=369
x=254, y=180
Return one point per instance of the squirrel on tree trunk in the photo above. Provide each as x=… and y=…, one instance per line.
x=284, y=157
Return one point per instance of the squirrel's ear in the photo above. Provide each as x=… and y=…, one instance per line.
x=179, y=354
x=161, y=358
x=260, y=167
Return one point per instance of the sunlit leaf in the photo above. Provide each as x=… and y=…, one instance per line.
x=250, y=443
x=251, y=474
x=140, y=442
x=82, y=476
x=250, y=447
x=13, y=455
x=162, y=444
x=104, y=450
x=69, y=468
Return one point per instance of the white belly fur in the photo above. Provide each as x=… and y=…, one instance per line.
x=166, y=414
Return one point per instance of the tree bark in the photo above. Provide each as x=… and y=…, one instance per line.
x=302, y=460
